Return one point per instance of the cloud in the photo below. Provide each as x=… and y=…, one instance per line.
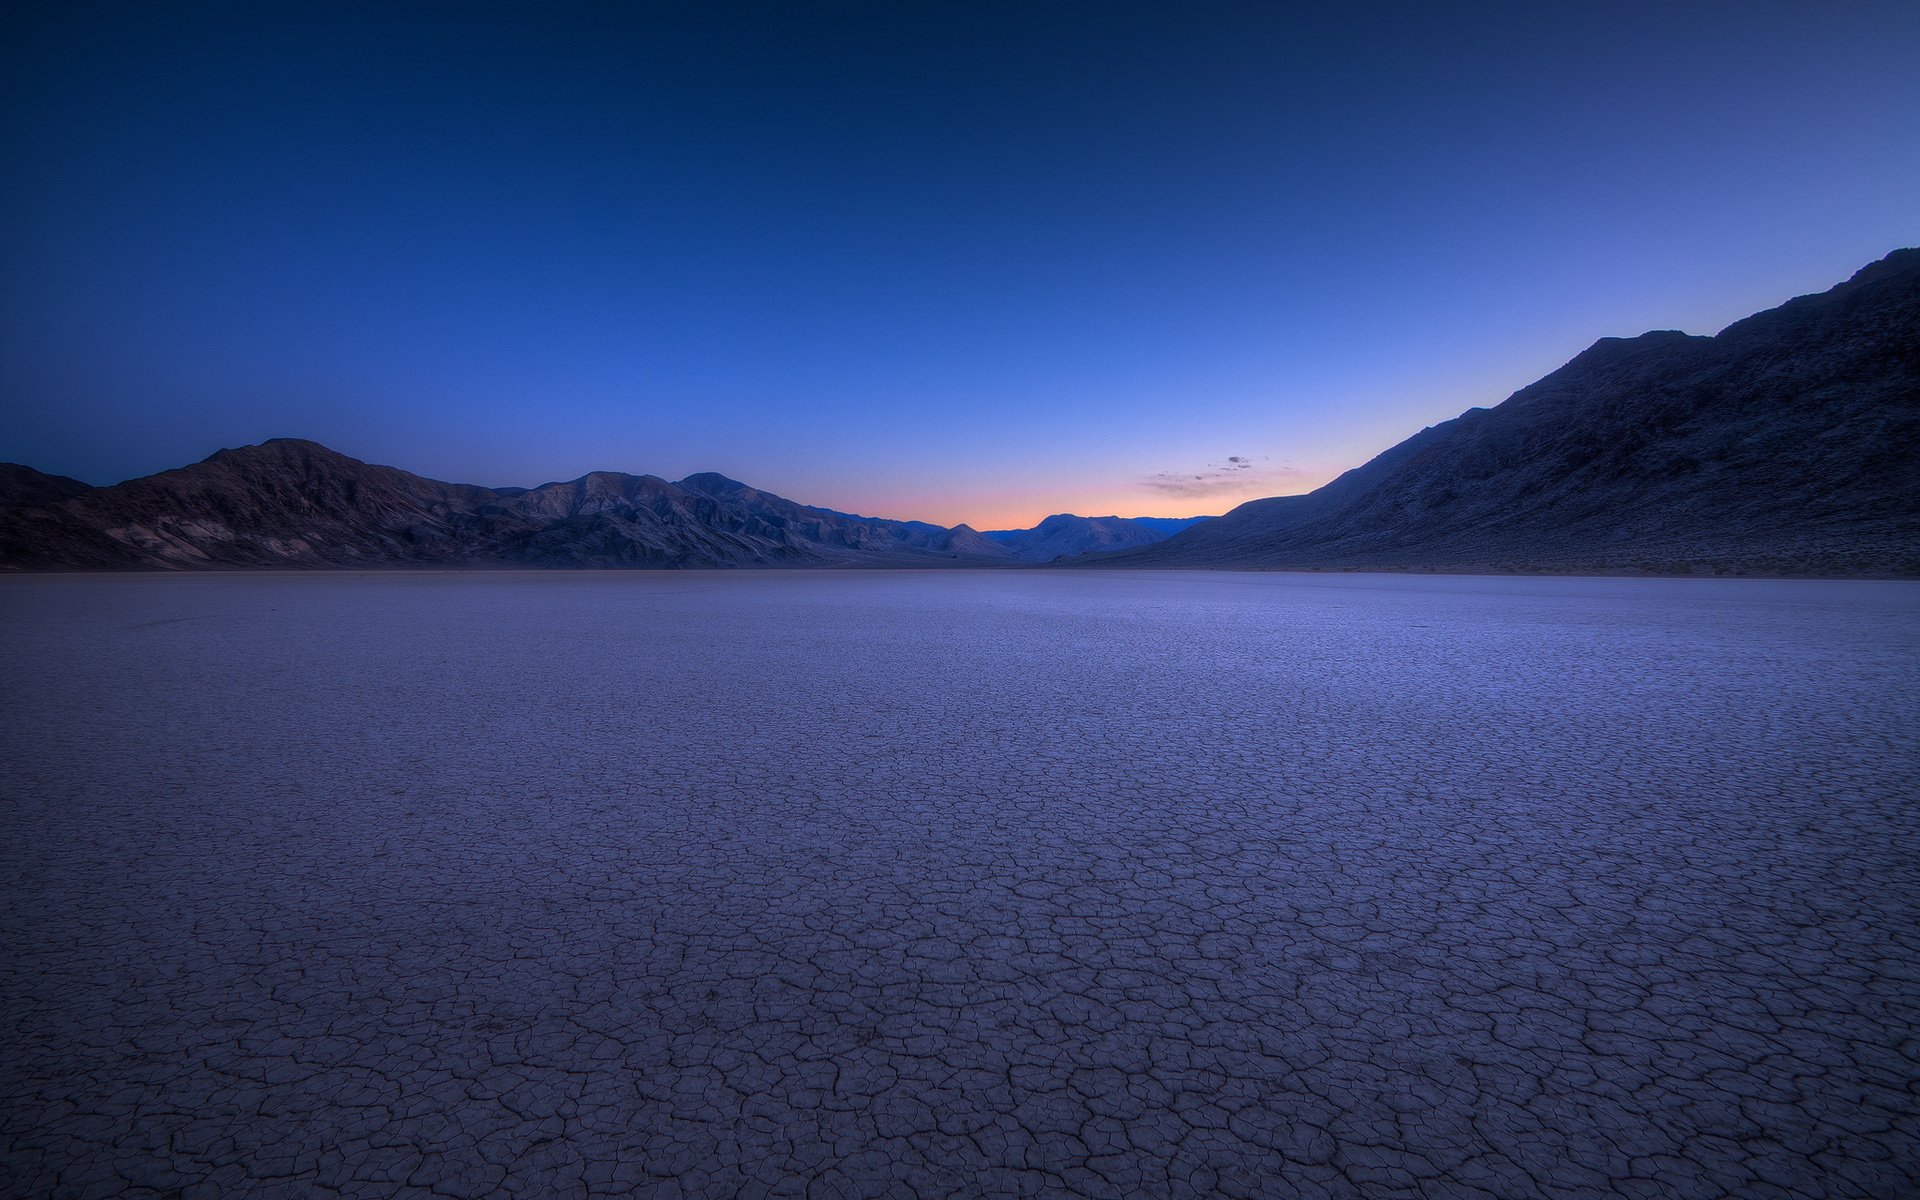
x=1236, y=474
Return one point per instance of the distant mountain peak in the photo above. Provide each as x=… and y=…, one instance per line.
x=712, y=481
x=275, y=447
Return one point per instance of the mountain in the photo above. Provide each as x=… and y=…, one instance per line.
x=1788, y=444
x=837, y=531
x=292, y=503
x=1065, y=535
x=24, y=487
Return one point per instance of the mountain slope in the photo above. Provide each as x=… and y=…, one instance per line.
x=292, y=503
x=24, y=487
x=1787, y=444
x=844, y=535
x=1065, y=535
x=284, y=502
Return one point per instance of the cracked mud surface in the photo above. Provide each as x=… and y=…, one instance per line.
x=895, y=884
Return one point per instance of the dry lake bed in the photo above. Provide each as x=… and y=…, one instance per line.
x=959, y=884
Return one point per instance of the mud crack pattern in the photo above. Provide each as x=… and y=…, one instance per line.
x=942, y=885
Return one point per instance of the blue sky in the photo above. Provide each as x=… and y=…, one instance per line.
x=971, y=262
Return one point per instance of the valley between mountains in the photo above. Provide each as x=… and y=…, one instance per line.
x=1788, y=444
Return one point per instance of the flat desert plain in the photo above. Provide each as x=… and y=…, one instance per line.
x=958, y=884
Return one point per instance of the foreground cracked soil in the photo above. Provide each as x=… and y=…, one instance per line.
x=937, y=885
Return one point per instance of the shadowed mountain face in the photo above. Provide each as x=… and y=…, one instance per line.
x=1065, y=535
x=1789, y=444
x=290, y=503
x=24, y=487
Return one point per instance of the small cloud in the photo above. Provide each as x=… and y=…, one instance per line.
x=1218, y=478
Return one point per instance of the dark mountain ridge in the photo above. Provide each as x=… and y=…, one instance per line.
x=1787, y=444
x=24, y=487
x=294, y=503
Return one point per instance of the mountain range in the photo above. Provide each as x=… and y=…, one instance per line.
x=293, y=503
x=1788, y=444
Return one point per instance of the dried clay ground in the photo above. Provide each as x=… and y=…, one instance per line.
x=1002, y=884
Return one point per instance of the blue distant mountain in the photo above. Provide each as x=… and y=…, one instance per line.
x=1065, y=535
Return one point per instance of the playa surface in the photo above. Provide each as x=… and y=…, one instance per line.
x=955, y=884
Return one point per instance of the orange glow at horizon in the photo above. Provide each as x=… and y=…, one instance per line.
x=1018, y=507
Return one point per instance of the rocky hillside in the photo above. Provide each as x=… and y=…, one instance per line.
x=291, y=503
x=1787, y=444
x=1065, y=535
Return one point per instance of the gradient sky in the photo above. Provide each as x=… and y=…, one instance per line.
x=956, y=262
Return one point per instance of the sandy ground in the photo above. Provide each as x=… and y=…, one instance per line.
x=903, y=884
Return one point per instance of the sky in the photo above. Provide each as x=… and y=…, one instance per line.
x=970, y=262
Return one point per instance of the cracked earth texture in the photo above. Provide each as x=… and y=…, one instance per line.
x=1006, y=884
